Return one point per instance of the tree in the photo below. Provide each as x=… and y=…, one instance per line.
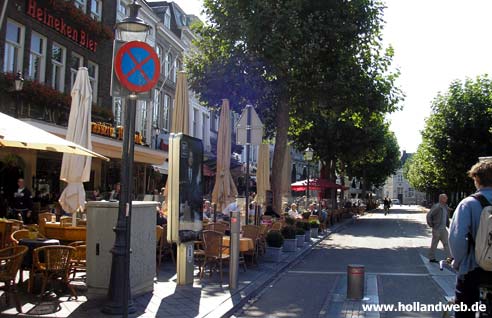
x=457, y=132
x=284, y=56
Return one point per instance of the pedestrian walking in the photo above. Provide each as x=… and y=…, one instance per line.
x=438, y=220
x=386, y=203
x=462, y=235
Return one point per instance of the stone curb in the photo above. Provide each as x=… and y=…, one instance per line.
x=254, y=289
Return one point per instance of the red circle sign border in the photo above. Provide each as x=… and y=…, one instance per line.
x=119, y=71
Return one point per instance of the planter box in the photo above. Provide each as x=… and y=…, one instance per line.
x=290, y=245
x=300, y=240
x=272, y=254
x=307, y=237
x=314, y=233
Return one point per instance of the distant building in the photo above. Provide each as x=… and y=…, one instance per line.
x=397, y=187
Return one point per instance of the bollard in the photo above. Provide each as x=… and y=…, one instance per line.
x=355, y=281
x=235, y=226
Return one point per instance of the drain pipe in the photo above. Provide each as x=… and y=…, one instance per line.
x=3, y=13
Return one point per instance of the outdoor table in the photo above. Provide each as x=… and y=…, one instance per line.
x=65, y=233
x=245, y=244
x=33, y=244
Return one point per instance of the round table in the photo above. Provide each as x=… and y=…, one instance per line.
x=245, y=244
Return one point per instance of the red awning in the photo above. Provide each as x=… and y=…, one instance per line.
x=316, y=185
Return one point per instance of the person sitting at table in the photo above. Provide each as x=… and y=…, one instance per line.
x=207, y=210
x=270, y=212
x=115, y=194
x=22, y=203
x=161, y=218
x=59, y=212
x=293, y=212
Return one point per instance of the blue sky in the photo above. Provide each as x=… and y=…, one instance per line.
x=435, y=42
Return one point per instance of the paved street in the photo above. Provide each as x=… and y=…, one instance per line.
x=393, y=249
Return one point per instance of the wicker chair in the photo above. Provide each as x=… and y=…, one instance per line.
x=18, y=235
x=262, y=239
x=65, y=221
x=79, y=260
x=56, y=264
x=217, y=227
x=277, y=226
x=164, y=247
x=5, y=232
x=213, y=252
x=44, y=217
x=252, y=232
x=10, y=262
x=16, y=224
x=158, y=238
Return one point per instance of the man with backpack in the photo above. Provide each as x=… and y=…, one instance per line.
x=466, y=241
x=438, y=220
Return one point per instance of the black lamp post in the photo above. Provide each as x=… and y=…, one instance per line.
x=131, y=28
x=18, y=85
x=308, y=156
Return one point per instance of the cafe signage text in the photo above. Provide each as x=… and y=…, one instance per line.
x=78, y=35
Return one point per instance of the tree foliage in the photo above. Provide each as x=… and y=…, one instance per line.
x=294, y=57
x=457, y=132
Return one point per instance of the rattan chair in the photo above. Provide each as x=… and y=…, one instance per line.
x=277, y=226
x=262, y=239
x=44, y=217
x=252, y=232
x=217, y=227
x=164, y=247
x=65, y=221
x=5, y=232
x=56, y=264
x=213, y=253
x=18, y=235
x=16, y=224
x=10, y=262
x=79, y=260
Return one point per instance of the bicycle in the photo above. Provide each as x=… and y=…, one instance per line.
x=485, y=294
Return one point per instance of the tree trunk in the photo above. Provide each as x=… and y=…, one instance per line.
x=282, y=124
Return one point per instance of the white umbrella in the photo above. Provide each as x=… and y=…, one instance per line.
x=18, y=134
x=77, y=169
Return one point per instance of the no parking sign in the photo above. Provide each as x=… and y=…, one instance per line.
x=137, y=66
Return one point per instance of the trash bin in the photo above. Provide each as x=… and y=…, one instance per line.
x=355, y=281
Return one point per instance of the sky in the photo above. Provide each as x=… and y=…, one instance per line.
x=435, y=42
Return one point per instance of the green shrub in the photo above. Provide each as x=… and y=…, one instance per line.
x=274, y=239
x=290, y=221
x=306, y=226
x=314, y=224
x=300, y=231
x=289, y=232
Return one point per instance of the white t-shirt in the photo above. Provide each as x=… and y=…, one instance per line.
x=293, y=214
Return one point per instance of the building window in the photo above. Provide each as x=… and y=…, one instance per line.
x=76, y=61
x=58, y=70
x=165, y=114
x=93, y=69
x=399, y=190
x=122, y=10
x=81, y=4
x=196, y=118
x=141, y=125
x=156, y=109
x=167, y=19
x=14, y=43
x=118, y=111
x=96, y=9
x=167, y=68
x=175, y=70
x=399, y=178
x=204, y=127
x=37, y=57
x=411, y=192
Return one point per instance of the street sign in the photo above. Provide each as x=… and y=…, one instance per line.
x=256, y=128
x=137, y=66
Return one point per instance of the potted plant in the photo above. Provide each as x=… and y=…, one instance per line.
x=314, y=228
x=290, y=241
x=274, y=242
x=290, y=221
x=307, y=229
x=300, y=236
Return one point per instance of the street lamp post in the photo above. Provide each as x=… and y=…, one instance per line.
x=18, y=85
x=308, y=156
x=131, y=28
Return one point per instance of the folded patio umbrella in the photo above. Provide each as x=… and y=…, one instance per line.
x=76, y=169
x=263, y=173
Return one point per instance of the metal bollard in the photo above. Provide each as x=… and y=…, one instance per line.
x=355, y=281
x=234, y=249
